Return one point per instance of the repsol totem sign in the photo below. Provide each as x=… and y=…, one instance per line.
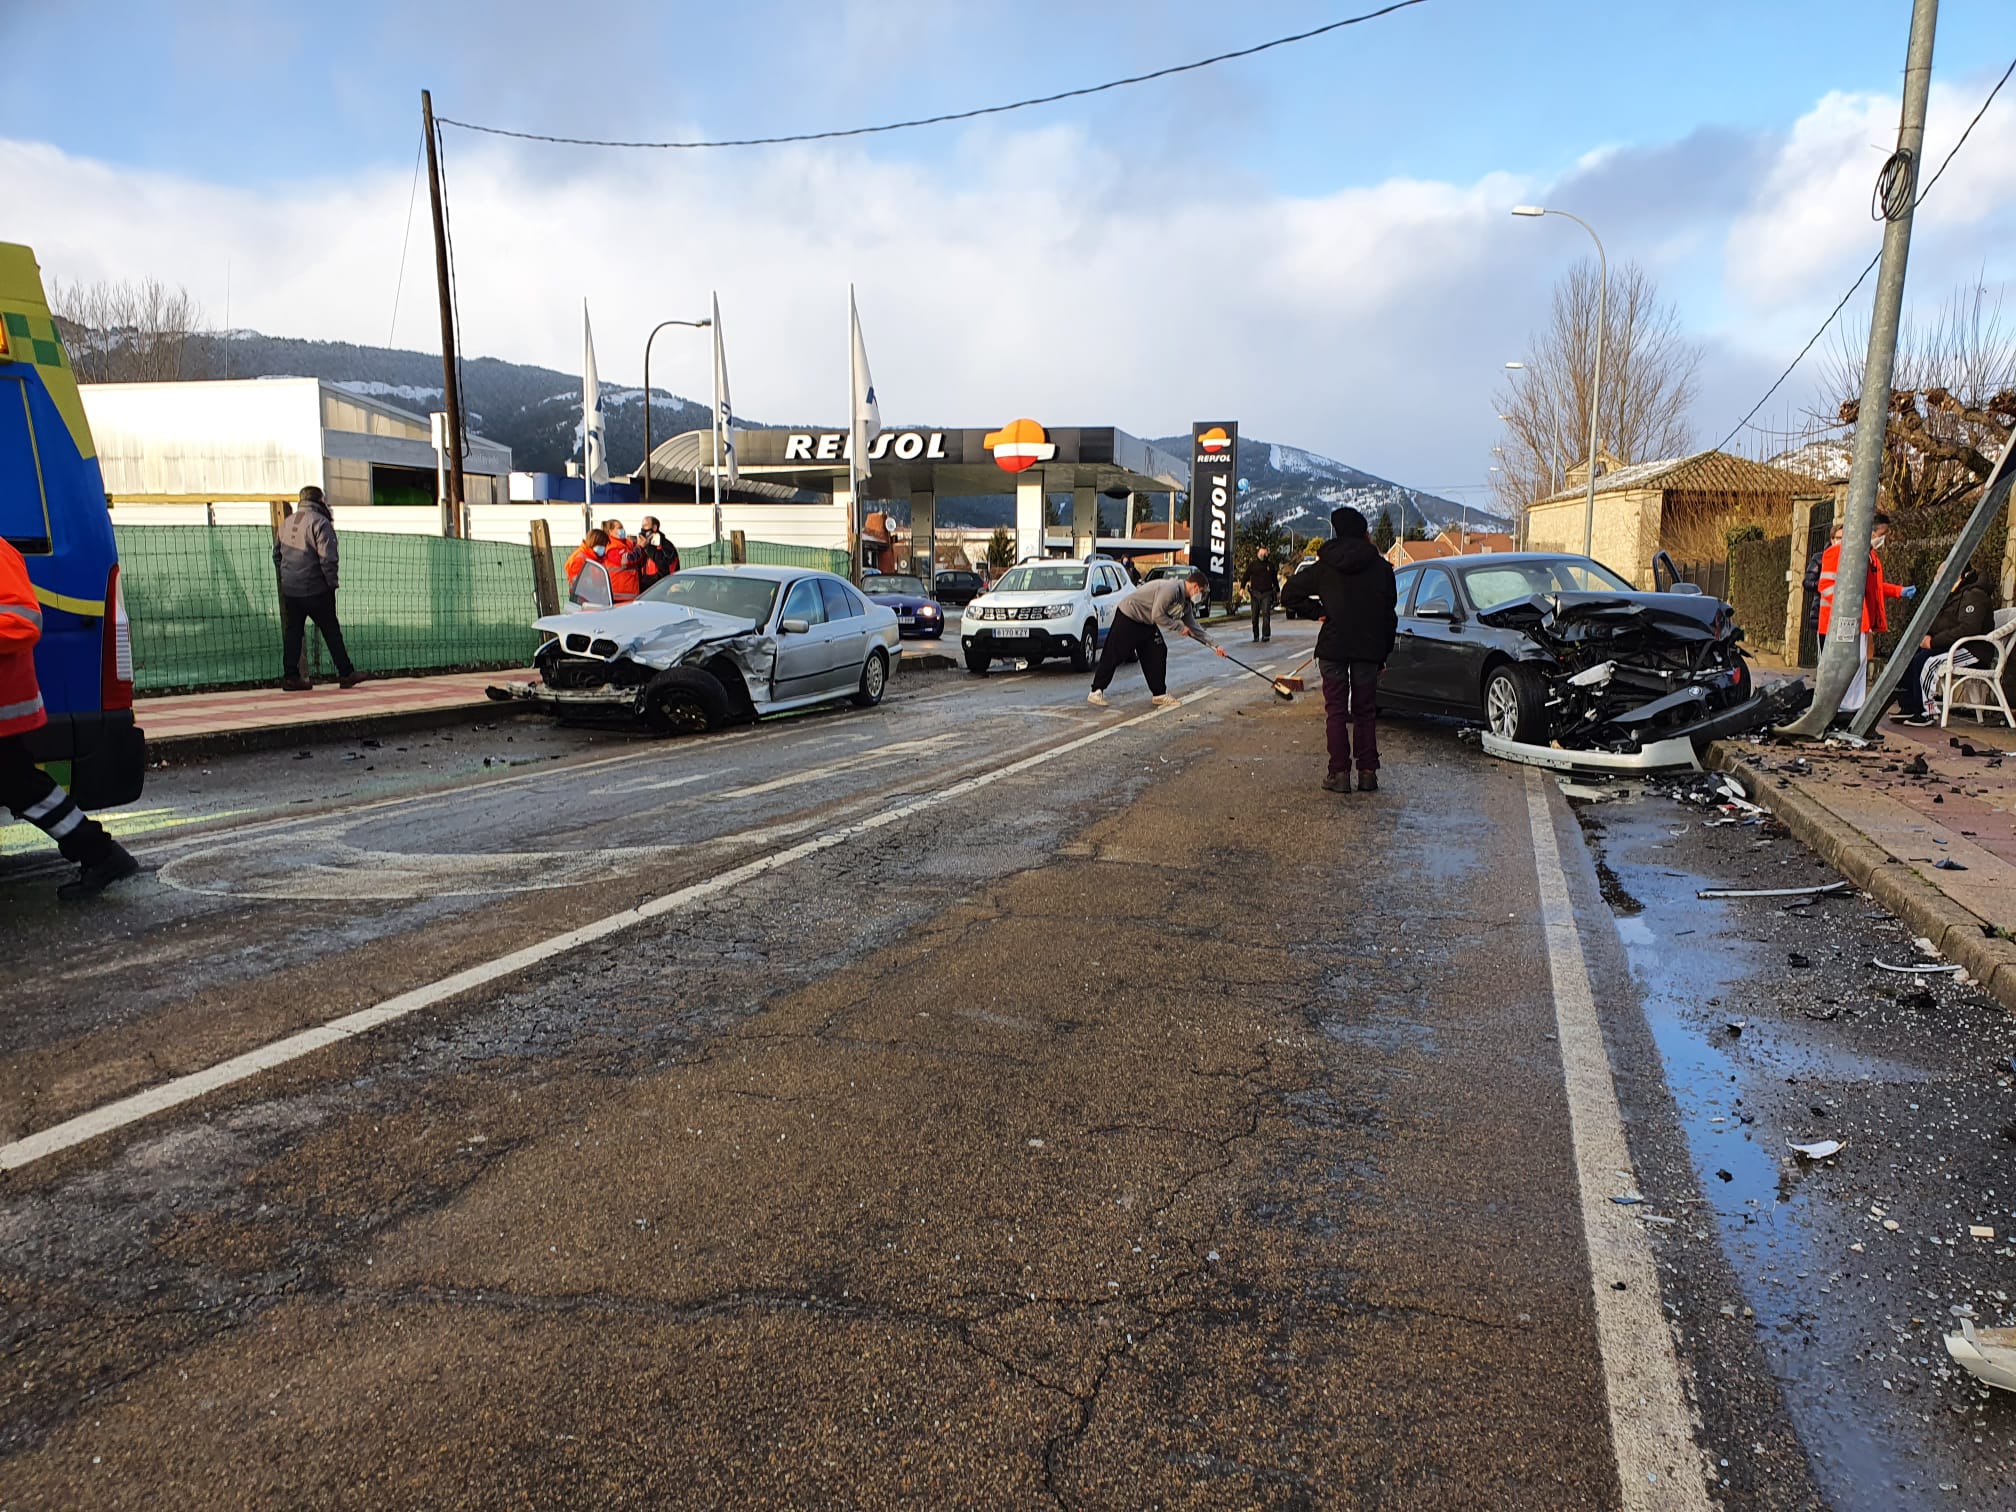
x=1214, y=474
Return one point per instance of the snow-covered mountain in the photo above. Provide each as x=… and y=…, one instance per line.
x=536, y=411
x=1302, y=487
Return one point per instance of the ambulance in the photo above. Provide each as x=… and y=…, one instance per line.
x=54, y=511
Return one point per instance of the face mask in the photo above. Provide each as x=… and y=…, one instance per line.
x=601, y=550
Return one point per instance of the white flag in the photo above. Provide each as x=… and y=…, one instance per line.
x=724, y=408
x=867, y=418
x=594, y=457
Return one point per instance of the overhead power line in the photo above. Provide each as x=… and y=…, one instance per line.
x=1863, y=276
x=957, y=115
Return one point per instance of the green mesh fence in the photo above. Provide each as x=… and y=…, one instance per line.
x=205, y=601
x=205, y=605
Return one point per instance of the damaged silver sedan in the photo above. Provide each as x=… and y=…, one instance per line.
x=1558, y=655
x=715, y=646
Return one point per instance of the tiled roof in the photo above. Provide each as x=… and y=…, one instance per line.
x=1418, y=551
x=1703, y=472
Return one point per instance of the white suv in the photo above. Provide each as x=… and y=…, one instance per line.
x=1044, y=608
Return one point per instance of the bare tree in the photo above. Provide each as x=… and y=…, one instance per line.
x=1952, y=401
x=1649, y=368
x=131, y=331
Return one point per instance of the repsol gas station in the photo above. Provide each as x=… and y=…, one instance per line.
x=793, y=486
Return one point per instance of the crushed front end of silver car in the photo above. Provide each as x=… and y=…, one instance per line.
x=1625, y=673
x=670, y=665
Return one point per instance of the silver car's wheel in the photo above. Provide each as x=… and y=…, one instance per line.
x=874, y=680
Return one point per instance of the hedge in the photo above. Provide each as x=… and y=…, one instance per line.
x=1758, y=590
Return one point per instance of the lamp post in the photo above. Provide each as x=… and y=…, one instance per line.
x=1596, y=377
x=698, y=325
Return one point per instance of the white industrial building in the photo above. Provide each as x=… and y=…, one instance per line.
x=191, y=453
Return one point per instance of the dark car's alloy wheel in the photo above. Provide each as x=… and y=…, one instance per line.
x=1512, y=708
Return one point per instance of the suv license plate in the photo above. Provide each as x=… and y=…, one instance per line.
x=1011, y=629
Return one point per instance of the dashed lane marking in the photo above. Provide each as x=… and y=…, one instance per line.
x=130, y=1110
x=1659, y=1469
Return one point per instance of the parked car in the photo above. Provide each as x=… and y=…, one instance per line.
x=1551, y=648
x=917, y=612
x=1040, y=609
x=955, y=585
x=713, y=646
x=1176, y=570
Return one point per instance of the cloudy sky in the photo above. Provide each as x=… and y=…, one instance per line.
x=1315, y=241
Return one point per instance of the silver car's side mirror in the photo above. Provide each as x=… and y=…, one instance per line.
x=796, y=627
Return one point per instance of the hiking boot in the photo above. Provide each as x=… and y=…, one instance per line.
x=1097, y=699
x=114, y=866
x=1337, y=782
x=1165, y=700
x=350, y=679
x=296, y=684
x=1368, y=782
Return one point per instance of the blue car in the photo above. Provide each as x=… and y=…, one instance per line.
x=917, y=613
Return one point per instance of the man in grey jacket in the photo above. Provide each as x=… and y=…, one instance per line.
x=305, y=553
x=1138, y=622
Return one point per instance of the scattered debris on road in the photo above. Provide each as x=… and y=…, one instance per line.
x=1820, y=1149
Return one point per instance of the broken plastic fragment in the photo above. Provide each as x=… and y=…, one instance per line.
x=1820, y=1149
x=1771, y=892
x=1627, y=1201
x=1914, y=970
x=1988, y=1354
x=1947, y=863
x=1979, y=1231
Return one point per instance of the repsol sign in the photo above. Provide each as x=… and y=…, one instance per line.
x=833, y=446
x=1214, y=493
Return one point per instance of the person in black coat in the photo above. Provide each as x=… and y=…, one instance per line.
x=1351, y=588
x=1262, y=583
x=1969, y=611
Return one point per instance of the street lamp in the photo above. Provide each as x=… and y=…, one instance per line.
x=1596, y=378
x=698, y=325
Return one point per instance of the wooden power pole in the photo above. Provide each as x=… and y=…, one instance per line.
x=451, y=387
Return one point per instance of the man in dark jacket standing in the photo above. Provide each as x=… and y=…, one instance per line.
x=1351, y=587
x=1263, y=586
x=661, y=557
x=305, y=553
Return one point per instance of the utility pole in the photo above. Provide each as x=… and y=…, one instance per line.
x=1898, y=190
x=451, y=388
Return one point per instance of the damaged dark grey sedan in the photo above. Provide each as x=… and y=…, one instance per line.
x=1554, y=650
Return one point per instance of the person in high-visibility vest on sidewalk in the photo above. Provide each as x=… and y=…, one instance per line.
x=26, y=790
x=1876, y=593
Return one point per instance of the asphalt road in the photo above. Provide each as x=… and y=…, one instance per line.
x=984, y=1101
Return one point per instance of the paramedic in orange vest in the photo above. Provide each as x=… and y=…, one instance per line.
x=594, y=548
x=26, y=790
x=1875, y=610
x=625, y=563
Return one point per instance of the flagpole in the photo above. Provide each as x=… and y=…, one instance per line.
x=853, y=462
x=587, y=476
x=717, y=423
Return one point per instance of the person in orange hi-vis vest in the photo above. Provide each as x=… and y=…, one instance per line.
x=625, y=563
x=26, y=790
x=1876, y=594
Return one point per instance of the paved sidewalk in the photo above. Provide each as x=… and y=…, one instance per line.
x=1926, y=822
x=188, y=725
x=251, y=718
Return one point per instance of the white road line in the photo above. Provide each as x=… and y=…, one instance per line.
x=1651, y=1425
x=129, y=1110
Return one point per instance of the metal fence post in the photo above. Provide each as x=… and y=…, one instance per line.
x=545, y=585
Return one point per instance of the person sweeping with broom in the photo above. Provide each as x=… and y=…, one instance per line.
x=1138, y=621
x=1351, y=588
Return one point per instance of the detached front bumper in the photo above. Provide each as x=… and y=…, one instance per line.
x=607, y=701
x=1680, y=748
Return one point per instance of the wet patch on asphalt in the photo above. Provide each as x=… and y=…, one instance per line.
x=1773, y=1028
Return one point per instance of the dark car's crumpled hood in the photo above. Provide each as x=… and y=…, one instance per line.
x=1584, y=616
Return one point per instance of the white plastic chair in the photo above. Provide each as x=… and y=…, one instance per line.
x=1979, y=686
